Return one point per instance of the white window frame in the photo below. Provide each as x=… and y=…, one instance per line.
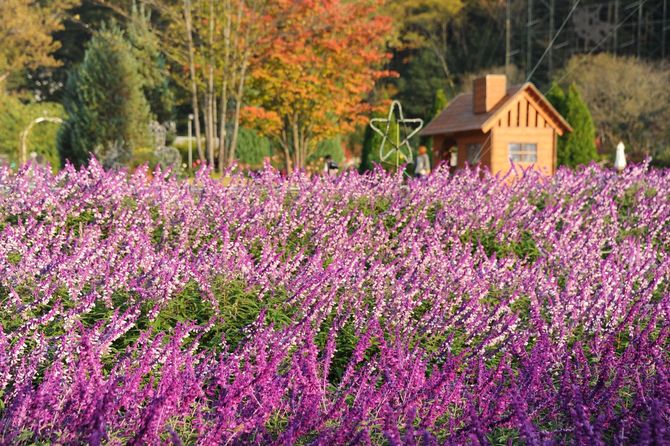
x=522, y=152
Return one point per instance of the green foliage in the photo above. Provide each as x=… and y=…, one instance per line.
x=371, y=144
x=556, y=96
x=234, y=306
x=104, y=100
x=14, y=257
x=368, y=148
x=152, y=68
x=16, y=116
x=332, y=147
x=440, y=102
x=580, y=143
x=252, y=148
x=422, y=78
x=144, y=155
x=525, y=248
x=27, y=36
x=577, y=147
x=231, y=306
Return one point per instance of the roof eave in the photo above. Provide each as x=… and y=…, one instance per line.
x=435, y=132
x=553, y=110
x=562, y=125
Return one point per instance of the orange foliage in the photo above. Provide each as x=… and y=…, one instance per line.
x=317, y=67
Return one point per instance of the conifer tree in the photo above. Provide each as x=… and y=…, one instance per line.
x=439, y=102
x=151, y=64
x=577, y=147
x=104, y=101
x=366, y=152
x=371, y=143
x=580, y=143
x=556, y=96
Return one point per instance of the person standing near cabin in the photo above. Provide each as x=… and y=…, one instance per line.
x=422, y=168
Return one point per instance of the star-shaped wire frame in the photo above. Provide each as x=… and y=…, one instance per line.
x=396, y=144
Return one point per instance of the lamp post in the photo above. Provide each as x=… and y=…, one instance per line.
x=620, y=158
x=190, y=142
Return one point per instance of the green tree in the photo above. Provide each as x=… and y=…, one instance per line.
x=26, y=40
x=367, y=149
x=440, y=102
x=371, y=144
x=151, y=63
x=104, y=101
x=426, y=24
x=577, y=147
x=420, y=79
x=556, y=96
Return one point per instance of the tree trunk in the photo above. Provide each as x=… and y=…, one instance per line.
x=243, y=57
x=223, y=156
x=296, y=144
x=238, y=107
x=194, y=85
x=284, y=142
x=211, y=131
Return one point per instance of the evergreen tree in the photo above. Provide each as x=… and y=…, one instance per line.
x=580, y=143
x=371, y=144
x=151, y=64
x=577, y=147
x=556, y=96
x=439, y=102
x=104, y=101
x=366, y=151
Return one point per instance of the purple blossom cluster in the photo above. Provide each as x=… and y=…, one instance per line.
x=359, y=309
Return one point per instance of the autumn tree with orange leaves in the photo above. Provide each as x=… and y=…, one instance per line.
x=320, y=65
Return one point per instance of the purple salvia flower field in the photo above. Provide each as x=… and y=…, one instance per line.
x=358, y=309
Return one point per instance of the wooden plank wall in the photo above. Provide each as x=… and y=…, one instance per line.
x=522, y=122
x=543, y=137
x=522, y=113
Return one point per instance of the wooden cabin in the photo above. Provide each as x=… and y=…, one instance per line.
x=497, y=124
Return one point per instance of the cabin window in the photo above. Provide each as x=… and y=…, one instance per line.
x=474, y=152
x=523, y=152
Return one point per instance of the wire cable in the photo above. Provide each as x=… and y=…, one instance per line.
x=618, y=25
x=565, y=22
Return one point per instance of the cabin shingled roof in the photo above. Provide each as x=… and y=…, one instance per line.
x=460, y=117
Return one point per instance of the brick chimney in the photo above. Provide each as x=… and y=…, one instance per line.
x=487, y=91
